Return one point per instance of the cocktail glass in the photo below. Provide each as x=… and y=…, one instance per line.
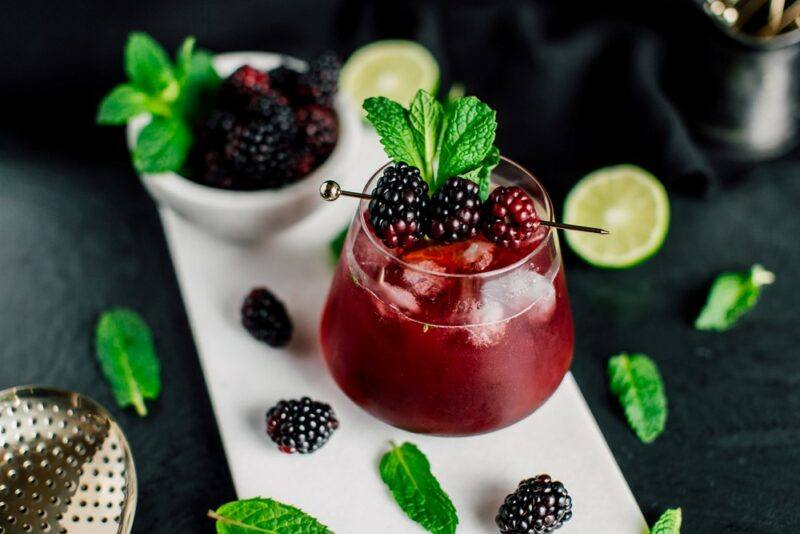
x=453, y=339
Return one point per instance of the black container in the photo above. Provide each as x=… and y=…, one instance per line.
x=744, y=98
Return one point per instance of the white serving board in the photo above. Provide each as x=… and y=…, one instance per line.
x=339, y=484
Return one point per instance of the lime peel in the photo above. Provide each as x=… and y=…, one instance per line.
x=396, y=69
x=630, y=203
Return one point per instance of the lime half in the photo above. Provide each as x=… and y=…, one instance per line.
x=627, y=201
x=395, y=69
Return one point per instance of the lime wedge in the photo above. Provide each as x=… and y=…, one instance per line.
x=395, y=69
x=627, y=201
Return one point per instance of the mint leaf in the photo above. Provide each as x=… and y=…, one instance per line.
x=162, y=146
x=483, y=174
x=669, y=522
x=251, y=516
x=467, y=138
x=408, y=474
x=148, y=66
x=127, y=358
x=337, y=244
x=199, y=87
x=183, y=60
x=122, y=103
x=394, y=128
x=731, y=296
x=426, y=115
x=635, y=380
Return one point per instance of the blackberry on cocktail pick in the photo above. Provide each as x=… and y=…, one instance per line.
x=330, y=191
x=399, y=206
x=539, y=505
x=455, y=212
x=510, y=217
x=301, y=426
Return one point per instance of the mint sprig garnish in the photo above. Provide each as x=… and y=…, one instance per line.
x=260, y=515
x=482, y=175
x=467, y=137
x=394, y=128
x=669, y=522
x=124, y=346
x=426, y=115
x=441, y=141
x=731, y=296
x=634, y=379
x=172, y=93
x=406, y=471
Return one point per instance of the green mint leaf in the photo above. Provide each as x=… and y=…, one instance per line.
x=337, y=244
x=467, y=138
x=127, y=358
x=251, y=516
x=394, y=128
x=162, y=146
x=483, y=174
x=148, y=66
x=731, y=296
x=669, y=522
x=199, y=88
x=121, y=104
x=408, y=474
x=183, y=60
x=636, y=382
x=426, y=115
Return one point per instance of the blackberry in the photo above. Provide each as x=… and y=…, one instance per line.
x=217, y=127
x=259, y=151
x=215, y=171
x=539, y=505
x=399, y=205
x=272, y=106
x=301, y=426
x=265, y=317
x=455, y=211
x=237, y=89
x=317, y=129
x=318, y=85
x=303, y=162
x=509, y=217
x=284, y=80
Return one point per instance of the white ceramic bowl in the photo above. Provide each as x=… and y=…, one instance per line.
x=252, y=215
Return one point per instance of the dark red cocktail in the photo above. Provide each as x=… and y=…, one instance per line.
x=450, y=339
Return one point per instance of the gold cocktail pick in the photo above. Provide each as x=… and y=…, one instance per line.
x=330, y=191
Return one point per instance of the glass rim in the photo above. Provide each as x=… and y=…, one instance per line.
x=377, y=243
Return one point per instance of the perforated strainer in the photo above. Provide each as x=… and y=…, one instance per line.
x=65, y=465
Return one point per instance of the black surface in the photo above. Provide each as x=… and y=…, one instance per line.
x=78, y=238
x=577, y=85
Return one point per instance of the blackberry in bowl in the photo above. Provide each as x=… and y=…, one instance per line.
x=261, y=150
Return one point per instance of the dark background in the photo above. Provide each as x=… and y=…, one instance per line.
x=577, y=85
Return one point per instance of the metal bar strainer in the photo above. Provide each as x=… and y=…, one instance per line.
x=65, y=465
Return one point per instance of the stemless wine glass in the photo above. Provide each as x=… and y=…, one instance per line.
x=450, y=354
